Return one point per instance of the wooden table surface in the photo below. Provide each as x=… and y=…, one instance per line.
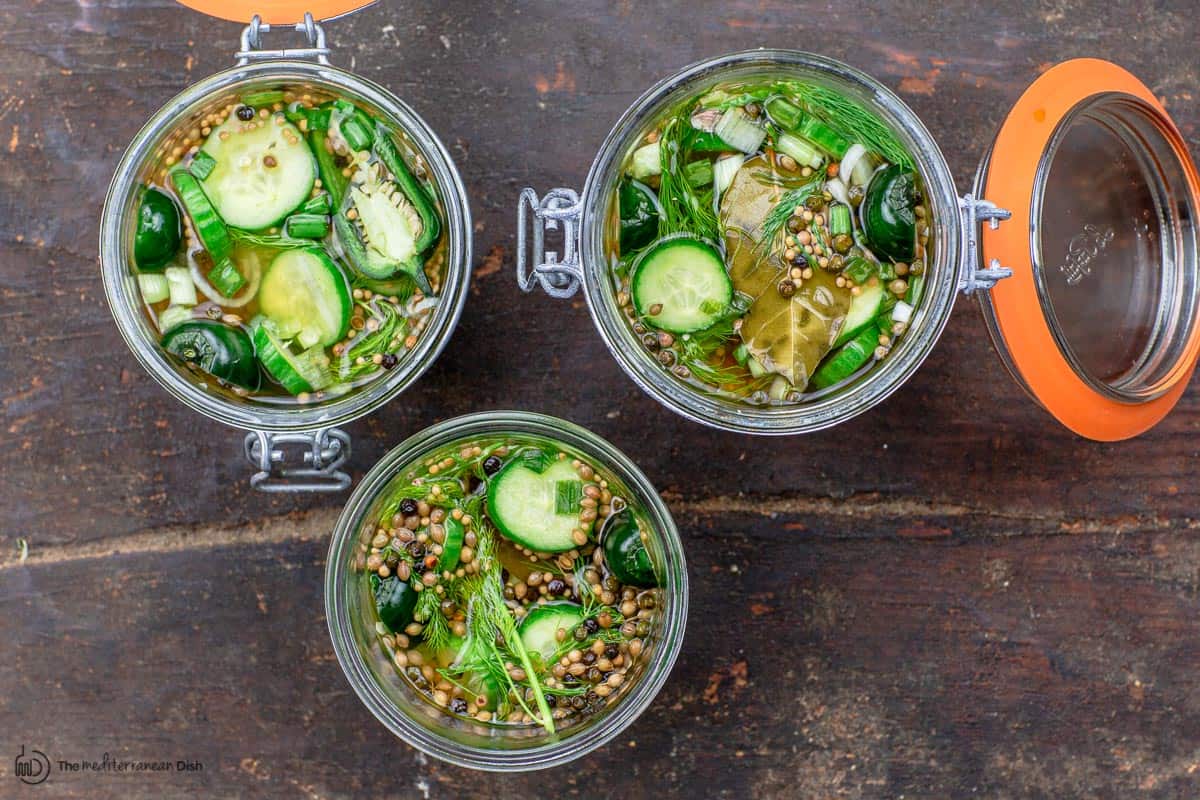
x=950, y=597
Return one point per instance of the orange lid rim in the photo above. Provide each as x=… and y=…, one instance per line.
x=275, y=12
x=1010, y=182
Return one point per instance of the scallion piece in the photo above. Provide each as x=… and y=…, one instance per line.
x=172, y=316
x=784, y=114
x=317, y=205
x=306, y=226
x=839, y=220
x=699, y=173
x=724, y=171
x=916, y=287
x=225, y=278
x=734, y=127
x=180, y=287
x=645, y=162
x=804, y=152
x=266, y=97
x=859, y=270
x=887, y=271
x=153, y=287
x=202, y=165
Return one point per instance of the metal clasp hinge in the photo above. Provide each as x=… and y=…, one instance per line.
x=974, y=212
x=559, y=274
x=252, y=42
x=322, y=452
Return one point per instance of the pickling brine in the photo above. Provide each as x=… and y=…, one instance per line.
x=513, y=582
x=769, y=241
x=288, y=246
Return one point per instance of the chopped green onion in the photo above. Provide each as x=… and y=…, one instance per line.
x=859, y=270
x=887, y=271
x=784, y=113
x=804, y=152
x=306, y=226
x=916, y=287
x=172, y=316
x=153, y=287
x=839, y=220
x=535, y=459
x=737, y=129
x=645, y=162
x=180, y=288
x=724, y=171
x=202, y=165
x=902, y=312
x=699, y=173
x=824, y=137
x=225, y=278
x=320, y=204
x=567, y=495
x=266, y=97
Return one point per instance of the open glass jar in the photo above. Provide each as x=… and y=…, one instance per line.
x=1083, y=253
x=375, y=661
x=293, y=442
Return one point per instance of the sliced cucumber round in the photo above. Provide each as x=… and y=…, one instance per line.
x=522, y=503
x=304, y=291
x=680, y=284
x=295, y=373
x=539, y=630
x=864, y=308
x=264, y=170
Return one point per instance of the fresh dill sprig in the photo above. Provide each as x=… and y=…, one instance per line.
x=276, y=242
x=683, y=211
x=428, y=612
x=852, y=121
x=779, y=214
x=381, y=341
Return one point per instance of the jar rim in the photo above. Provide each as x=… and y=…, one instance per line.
x=120, y=293
x=337, y=584
x=929, y=320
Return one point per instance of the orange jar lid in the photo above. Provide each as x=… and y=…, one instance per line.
x=276, y=12
x=1100, y=316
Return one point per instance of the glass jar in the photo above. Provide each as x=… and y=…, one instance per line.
x=410, y=715
x=305, y=435
x=1087, y=276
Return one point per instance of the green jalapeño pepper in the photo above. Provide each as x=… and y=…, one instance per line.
x=394, y=221
x=395, y=601
x=158, y=231
x=220, y=350
x=639, y=217
x=625, y=551
x=887, y=213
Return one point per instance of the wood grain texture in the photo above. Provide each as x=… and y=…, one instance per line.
x=952, y=596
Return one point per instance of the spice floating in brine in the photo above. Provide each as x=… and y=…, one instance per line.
x=513, y=582
x=769, y=241
x=288, y=244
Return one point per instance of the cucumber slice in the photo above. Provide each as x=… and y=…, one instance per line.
x=521, y=503
x=208, y=225
x=845, y=362
x=303, y=290
x=680, y=284
x=296, y=373
x=264, y=170
x=863, y=310
x=539, y=629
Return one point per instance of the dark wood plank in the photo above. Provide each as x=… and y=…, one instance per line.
x=815, y=665
x=951, y=596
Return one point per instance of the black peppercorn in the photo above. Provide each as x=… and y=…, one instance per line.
x=416, y=550
x=589, y=658
x=245, y=113
x=611, y=652
x=389, y=360
x=556, y=586
x=491, y=465
x=591, y=624
x=408, y=506
x=458, y=705
x=787, y=288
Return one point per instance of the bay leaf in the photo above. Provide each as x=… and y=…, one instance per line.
x=788, y=335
